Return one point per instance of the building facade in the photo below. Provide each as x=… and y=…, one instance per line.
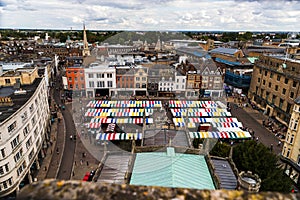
x=75, y=80
x=274, y=86
x=24, y=122
x=100, y=80
x=291, y=148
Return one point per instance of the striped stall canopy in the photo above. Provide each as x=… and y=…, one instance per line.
x=124, y=104
x=209, y=120
x=227, y=124
x=222, y=135
x=194, y=104
x=191, y=125
x=118, y=136
x=119, y=121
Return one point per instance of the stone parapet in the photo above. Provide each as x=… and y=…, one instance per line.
x=55, y=189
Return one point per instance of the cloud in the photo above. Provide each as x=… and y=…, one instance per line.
x=152, y=15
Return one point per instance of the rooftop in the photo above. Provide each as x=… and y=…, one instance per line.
x=18, y=100
x=170, y=169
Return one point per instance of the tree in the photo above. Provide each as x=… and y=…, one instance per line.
x=255, y=157
x=221, y=149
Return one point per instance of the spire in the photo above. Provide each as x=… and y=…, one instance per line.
x=86, y=50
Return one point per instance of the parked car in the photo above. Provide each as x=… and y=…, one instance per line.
x=86, y=176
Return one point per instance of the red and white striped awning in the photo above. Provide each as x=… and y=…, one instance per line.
x=119, y=136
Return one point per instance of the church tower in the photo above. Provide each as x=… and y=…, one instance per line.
x=86, y=50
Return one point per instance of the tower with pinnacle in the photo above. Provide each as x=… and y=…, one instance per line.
x=86, y=50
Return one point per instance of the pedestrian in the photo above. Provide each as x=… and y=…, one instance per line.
x=256, y=139
x=81, y=161
x=271, y=147
x=279, y=143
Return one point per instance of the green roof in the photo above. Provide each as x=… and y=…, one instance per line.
x=170, y=169
x=252, y=59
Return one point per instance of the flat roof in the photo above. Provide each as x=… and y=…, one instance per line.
x=18, y=99
x=170, y=169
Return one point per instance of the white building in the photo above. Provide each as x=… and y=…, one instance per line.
x=24, y=120
x=100, y=80
x=166, y=84
x=180, y=83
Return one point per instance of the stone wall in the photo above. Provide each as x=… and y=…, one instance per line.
x=55, y=189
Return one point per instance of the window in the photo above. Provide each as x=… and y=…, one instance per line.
x=28, y=143
x=283, y=91
x=294, y=83
x=31, y=107
x=280, y=103
x=137, y=78
x=100, y=75
x=288, y=152
x=109, y=75
x=15, y=142
x=295, y=124
x=24, y=116
x=292, y=95
x=143, y=78
x=288, y=108
x=258, y=80
x=4, y=169
x=71, y=86
x=286, y=80
x=267, y=95
x=278, y=77
x=82, y=86
x=18, y=155
x=270, y=85
x=264, y=82
x=3, y=153
x=26, y=130
x=109, y=83
x=260, y=70
x=91, y=75
x=271, y=75
x=31, y=154
x=137, y=85
x=91, y=84
x=36, y=132
x=276, y=87
x=7, y=81
x=76, y=78
x=70, y=79
x=33, y=120
x=12, y=127
x=100, y=83
x=266, y=73
x=292, y=139
x=298, y=162
x=21, y=168
x=274, y=99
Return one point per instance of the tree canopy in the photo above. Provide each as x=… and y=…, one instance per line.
x=255, y=157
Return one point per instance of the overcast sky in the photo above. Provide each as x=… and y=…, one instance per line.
x=220, y=15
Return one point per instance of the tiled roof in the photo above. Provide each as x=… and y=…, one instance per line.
x=171, y=170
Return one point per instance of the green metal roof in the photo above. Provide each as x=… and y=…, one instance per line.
x=252, y=59
x=170, y=169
